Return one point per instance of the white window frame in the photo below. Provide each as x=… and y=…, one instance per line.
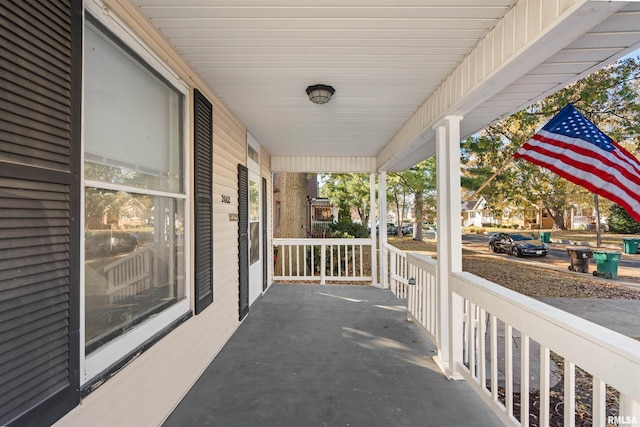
x=102, y=359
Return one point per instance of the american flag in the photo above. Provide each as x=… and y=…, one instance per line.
x=574, y=148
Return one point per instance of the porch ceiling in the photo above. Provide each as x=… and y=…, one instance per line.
x=385, y=61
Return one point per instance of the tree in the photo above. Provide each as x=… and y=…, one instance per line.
x=293, y=204
x=621, y=222
x=607, y=97
x=293, y=214
x=348, y=191
x=419, y=182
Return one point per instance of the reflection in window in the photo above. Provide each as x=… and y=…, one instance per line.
x=254, y=221
x=134, y=189
x=134, y=260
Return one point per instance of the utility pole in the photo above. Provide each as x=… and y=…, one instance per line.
x=596, y=205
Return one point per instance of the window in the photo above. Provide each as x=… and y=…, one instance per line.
x=134, y=196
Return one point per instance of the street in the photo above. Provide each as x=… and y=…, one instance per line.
x=557, y=252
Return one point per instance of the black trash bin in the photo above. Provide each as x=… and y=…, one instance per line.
x=579, y=259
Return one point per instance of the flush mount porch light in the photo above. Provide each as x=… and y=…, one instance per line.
x=320, y=94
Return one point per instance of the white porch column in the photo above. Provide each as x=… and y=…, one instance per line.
x=382, y=208
x=372, y=216
x=449, y=242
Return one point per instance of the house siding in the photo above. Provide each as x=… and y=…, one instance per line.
x=138, y=388
x=229, y=150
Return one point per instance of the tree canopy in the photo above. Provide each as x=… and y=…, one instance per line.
x=608, y=97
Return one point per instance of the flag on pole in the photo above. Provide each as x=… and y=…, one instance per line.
x=574, y=148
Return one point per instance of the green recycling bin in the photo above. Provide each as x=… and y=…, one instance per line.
x=631, y=246
x=606, y=264
x=545, y=236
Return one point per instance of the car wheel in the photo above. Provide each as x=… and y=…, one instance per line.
x=516, y=252
x=493, y=247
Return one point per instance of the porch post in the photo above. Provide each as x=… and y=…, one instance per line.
x=449, y=242
x=372, y=216
x=382, y=208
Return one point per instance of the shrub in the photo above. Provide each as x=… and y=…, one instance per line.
x=621, y=222
x=347, y=228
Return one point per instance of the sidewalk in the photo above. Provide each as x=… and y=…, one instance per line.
x=620, y=315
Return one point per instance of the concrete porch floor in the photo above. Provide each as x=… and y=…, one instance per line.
x=311, y=355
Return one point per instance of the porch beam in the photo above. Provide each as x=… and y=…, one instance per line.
x=323, y=164
x=449, y=244
x=527, y=36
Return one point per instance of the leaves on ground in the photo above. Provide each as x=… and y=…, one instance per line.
x=527, y=278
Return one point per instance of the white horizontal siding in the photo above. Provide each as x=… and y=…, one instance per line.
x=323, y=164
x=146, y=391
x=518, y=42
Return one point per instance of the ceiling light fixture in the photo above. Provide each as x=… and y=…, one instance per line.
x=320, y=94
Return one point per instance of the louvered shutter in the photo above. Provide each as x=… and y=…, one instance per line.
x=243, y=240
x=203, y=139
x=39, y=210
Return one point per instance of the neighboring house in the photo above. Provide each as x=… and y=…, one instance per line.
x=321, y=215
x=476, y=213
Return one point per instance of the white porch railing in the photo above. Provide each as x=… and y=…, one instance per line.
x=338, y=260
x=398, y=273
x=509, y=344
x=130, y=275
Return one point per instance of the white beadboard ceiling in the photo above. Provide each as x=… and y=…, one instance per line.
x=385, y=59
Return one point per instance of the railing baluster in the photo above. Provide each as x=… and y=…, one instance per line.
x=482, y=355
x=508, y=368
x=569, y=393
x=524, y=380
x=494, y=358
x=471, y=347
x=353, y=260
x=599, y=405
x=545, y=373
x=323, y=264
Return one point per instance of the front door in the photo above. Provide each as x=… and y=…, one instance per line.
x=255, y=237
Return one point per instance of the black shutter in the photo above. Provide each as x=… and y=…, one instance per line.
x=203, y=140
x=265, y=257
x=243, y=240
x=40, y=82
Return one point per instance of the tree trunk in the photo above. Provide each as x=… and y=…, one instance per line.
x=558, y=218
x=417, y=226
x=293, y=205
x=293, y=214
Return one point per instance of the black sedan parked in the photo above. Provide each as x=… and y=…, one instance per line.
x=517, y=244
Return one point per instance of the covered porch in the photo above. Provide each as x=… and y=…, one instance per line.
x=361, y=355
x=411, y=81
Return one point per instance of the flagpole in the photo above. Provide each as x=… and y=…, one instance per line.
x=596, y=205
x=475, y=193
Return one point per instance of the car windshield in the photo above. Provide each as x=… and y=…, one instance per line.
x=519, y=237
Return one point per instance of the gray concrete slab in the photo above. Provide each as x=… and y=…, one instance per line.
x=311, y=355
x=619, y=315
